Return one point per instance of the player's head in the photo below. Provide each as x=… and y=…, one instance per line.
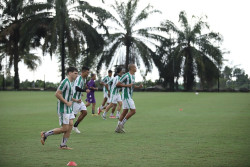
x=72, y=72
x=119, y=71
x=93, y=76
x=110, y=73
x=85, y=71
x=132, y=68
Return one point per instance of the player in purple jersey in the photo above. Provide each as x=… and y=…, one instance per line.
x=91, y=95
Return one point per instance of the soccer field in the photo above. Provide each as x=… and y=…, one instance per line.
x=168, y=129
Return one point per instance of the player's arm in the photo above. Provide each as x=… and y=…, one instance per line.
x=136, y=87
x=60, y=97
x=77, y=101
x=93, y=88
x=102, y=83
x=107, y=87
x=119, y=84
x=78, y=89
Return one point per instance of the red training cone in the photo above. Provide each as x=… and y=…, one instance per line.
x=71, y=163
x=181, y=109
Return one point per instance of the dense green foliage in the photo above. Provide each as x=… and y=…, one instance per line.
x=15, y=14
x=133, y=41
x=190, y=53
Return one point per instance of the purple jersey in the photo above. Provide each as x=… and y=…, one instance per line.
x=91, y=94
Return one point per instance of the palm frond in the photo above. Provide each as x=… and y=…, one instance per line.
x=144, y=15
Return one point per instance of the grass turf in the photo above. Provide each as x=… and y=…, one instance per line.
x=213, y=129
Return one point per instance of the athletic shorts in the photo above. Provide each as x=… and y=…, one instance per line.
x=90, y=98
x=115, y=98
x=77, y=107
x=64, y=118
x=106, y=96
x=128, y=104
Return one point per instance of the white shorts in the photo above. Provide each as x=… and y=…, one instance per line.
x=77, y=107
x=64, y=118
x=128, y=104
x=105, y=95
x=115, y=98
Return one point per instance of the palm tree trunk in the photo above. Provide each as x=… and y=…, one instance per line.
x=16, y=60
x=63, y=57
x=127, y=58
x=189, y=72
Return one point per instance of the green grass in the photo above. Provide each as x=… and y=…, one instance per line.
x=213, y=129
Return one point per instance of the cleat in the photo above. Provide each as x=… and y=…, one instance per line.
x=43, y=138
x=120, y=129
x=65, y=147
x=76, y=130
x=103, y=116
x=117, y=116
x=99, y=111
x=117, y=130
x=112, y=116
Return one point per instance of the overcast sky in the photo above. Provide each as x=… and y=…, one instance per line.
x=228, y=17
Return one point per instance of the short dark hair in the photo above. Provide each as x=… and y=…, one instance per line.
x=92, y=75
x=71, y=69
x=110, y=71
x=84, y=68
x=118, y=70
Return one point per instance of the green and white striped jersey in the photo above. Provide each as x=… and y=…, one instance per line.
x=114, y=90
x=80, y=83
x=105, y=80
x=126, y=79
x=67, y=92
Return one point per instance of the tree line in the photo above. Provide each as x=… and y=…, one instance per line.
x=81, y=34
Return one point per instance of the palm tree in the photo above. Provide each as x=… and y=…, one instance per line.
x=15, y=13
x=166, y=62
x=70, y=31
x=128, y=37
x=197, y=52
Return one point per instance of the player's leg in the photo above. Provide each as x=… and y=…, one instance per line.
x=106, y=110
x=93, y=108
x=99, y=109
x=66, y=136
x=63, y=121
x=131, y=106
x=79, y=119
x=103, y=102
x=113, y=110
x=88, y=104
x=83, y=113
x=119, y=109
x=119, y=128
x=127, y=104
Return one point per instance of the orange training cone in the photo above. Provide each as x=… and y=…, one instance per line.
x=71, y=163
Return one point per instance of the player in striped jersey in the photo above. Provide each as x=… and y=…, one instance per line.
x=64, y=109
x=127, y=83
x=105, y=92
x=114, y=95
x=78, y=105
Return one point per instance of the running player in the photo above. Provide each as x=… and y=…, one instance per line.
x=114, y=95
x=64, y=109
x=91, y=95
x=127, y=83
x=105, y=92
x=79, y=105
